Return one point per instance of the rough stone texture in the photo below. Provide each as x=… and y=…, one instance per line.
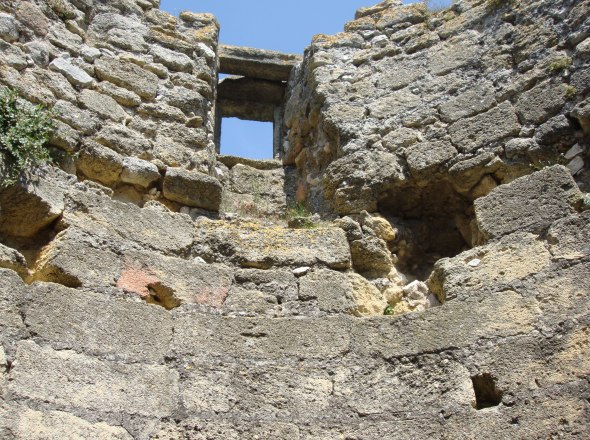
x=403, y=122
x=256, y=63
x=192, y=189
x=529, y=204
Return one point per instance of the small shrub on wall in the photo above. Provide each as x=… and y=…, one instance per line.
x=24, y=132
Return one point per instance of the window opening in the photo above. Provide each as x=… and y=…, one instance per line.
x=250, y=139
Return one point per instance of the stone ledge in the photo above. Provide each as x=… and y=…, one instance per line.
x=257, y=63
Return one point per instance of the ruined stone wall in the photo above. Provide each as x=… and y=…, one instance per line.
x=130, y=309
x=416, y=113
x=132, y=87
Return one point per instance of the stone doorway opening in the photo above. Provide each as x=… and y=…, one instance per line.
x=248, y=139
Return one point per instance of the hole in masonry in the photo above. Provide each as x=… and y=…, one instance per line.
x=161, y=295
x=487, y=394
x=250, y=139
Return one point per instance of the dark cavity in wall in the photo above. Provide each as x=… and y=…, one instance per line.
x=433, y=222
x=487, y=393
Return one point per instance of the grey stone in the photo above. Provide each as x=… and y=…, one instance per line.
x=185, y=99
x=11, y=296
x=554, y=130
x=424, y=159
x=65, y=137
x=103, y=105
x=127, y=75
x=30, y=205
x=582, y=113
x=139, y=172
x=39, y=52
x=12, y=259
x=163, y=112
x=541, y=102
x=470, y=134
x=100, y=163
x=192, y=189
x=8, y=28
x=263, y=247
x=122, y=96
x=90, y=54
x=124, y=141
x=175, y=61
x=74, y=74
x=575, y=165
x=569, y=238
x=331, y=290
x=371, y=256
x=13, y=56
x=468, y=103
x=256, y=63
x=32, y=18
x=67, y=320
x=82, y=120
x=108, y=389
x=529, y=204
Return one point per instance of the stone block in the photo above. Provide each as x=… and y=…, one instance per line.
x=100, y=163
x=127, y=75
x=569, y=238
x=77, y=382
x=192, y=189
x=124, y=141
x=29, y=206
x=424, y=159
x=103, y=105
x=470, y=134
x=262, y=247
x=541, y=102
x=206, y=337
x=12, y=293
x=528, y=204
x=173, y=60
x=27, y=424
x=12, y=259
x=75, y=75
x=331, y=290
x=94, y=324
x=139, y=172
x=257, y=63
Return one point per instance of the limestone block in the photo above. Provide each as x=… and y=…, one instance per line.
x=82, y=120
x=370, y=255
x=100, y=163
x=56, y=83
x=185, y=99
x=74, y=74
x=541, y=102
x=425, y=158
x=175, y=61
x=582, y=113
x=529, y=204
x=139, y=172
x=162, y=111
x=257, y=63
x=469, y=103
x=208, y=337
x=79, y=259
x=124, y=141
x=555, y=130
x=501, y=265
x=192, y=189
x=109, y=389
x=103, y=105
x=39, y=52
x=570, y=237
x=280, y=283
x=29, y=206
x=171, y=282
x=12, y=259
x=263, y=247
x=469, y=134
x=32, y=18
x=27, y=424
x=119, y=94
x=368, y=301
x=13, y=56
x=68, y=320
x=127, y=75
x=148, y=228
x=65, y=137
x=332, y=291
x=12, y=292
x=8, y=28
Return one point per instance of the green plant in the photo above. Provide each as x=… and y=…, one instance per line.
x=298, y=216
x=24, y=132
x=560, y=64
x=586, y=203
x=388, y=310
x=570, y=92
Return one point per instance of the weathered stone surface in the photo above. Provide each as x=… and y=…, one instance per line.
x=570, y=237
x=479, y=131
x=105, y=106
x=13, y=56
x=119, y=94
x=425, y=158
x=67, y=320
x=12, y=259
x=370, y=255
x=29, y=206
x=256, y=63
x=12, y=292
x=100, y=163
x=8, y=28
x=192, y=189
x=139, y=172
x=27, y=424
x=173, y=60
x=331, y=290
x=74, y=74
x=108, y=389
x=124, y=141
x=541, y=102
x=257, y=246
x=127, y=75
x=82, y=120
x=528, y=204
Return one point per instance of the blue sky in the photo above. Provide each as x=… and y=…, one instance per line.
x=286, y=26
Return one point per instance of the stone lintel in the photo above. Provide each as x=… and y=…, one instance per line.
x=257, y=63
x=250, y=111
x=249, y=89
